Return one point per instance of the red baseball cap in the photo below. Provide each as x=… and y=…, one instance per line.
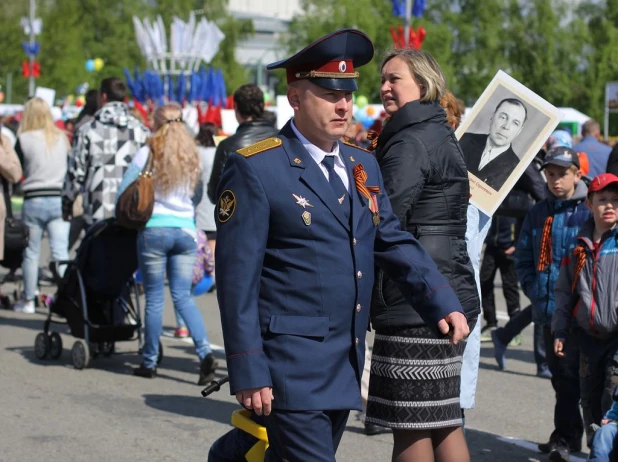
x=602, y=181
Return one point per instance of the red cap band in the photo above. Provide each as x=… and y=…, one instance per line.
x=342, y=69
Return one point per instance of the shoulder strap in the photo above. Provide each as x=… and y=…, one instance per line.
x=149, y=163
x=7, y=197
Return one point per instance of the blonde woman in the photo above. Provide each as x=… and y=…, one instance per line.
x=42, y=149
x=426, y=180
x=168, y=242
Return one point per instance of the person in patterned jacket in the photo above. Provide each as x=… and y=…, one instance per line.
x=102, y=151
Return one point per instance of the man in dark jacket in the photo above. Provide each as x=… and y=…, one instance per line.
x=249, y=108
x=491, y=157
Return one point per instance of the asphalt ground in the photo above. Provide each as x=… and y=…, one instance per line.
x=50, y=411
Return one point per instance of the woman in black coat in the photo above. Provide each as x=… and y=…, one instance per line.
x=415, y=371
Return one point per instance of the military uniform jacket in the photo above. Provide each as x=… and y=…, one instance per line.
x=294, y=277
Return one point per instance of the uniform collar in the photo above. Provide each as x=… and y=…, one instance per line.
x=316, y=153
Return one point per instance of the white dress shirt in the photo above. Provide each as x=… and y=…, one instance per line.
x=490, y=153
x=318, y=156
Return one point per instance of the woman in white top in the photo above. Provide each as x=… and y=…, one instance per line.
x=168, y=242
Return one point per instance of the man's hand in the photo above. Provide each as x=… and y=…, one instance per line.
x=559, y=347
x=258, y=399
x=509, y=251
x=455, y=325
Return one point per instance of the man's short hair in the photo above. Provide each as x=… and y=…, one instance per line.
x=591, y=127
x=516, y=102
x=249, y=101
x=114, y=88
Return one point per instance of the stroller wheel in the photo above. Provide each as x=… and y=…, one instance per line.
x=160, y=355
x=55, y=345
x=42, y=345
x=80, y=354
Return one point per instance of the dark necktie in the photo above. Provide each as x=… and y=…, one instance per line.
x=338, y=187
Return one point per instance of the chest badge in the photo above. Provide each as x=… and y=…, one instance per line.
x=306, y=218
x=352, y=159
x=304, y=203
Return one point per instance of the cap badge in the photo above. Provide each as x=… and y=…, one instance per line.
x=342, y=66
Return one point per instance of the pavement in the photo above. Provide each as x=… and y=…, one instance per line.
x=53, y=412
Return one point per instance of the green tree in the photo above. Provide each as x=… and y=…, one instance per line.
x=325, y=16
x=12, y=56
x=77, y=30
x=600, y=60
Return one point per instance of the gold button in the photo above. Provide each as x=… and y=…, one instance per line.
x=358, y=308
x=359, y=275
x=356, y=340
x=354, y=241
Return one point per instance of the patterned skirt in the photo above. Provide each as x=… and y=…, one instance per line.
x=415, y=380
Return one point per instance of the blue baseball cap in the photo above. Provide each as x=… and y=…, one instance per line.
x=562, y=156
x=560, y=138
x=331, y=61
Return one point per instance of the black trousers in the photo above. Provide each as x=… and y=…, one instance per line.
x=494, y=259
x=598, y=377
x=516, y=325
x=568, y=423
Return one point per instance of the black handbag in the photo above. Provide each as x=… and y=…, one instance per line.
x=16, y=233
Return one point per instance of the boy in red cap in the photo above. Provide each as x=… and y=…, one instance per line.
x=586, y=292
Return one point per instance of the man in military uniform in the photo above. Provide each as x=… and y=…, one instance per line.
x=302, y=219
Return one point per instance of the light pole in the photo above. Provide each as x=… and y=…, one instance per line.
x=408, y=22
x=32, y=40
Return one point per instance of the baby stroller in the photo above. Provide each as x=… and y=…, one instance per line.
x=94, y=296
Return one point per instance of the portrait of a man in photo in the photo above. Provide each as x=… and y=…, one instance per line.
x=490, y=157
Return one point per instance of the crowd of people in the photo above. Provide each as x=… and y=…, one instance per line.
x=320, y=230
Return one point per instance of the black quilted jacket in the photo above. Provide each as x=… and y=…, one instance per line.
x=246, y=134
x=426, y=180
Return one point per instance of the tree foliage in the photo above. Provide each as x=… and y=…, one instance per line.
x=77, y=30
x=563, y=50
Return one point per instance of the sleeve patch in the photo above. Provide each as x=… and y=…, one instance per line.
x=226, y=206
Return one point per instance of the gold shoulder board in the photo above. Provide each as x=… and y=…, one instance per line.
x=352, y=145
x=260, y=146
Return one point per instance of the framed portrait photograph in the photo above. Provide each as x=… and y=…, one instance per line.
x=505, y=130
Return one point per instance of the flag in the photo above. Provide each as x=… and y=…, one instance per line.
x=399, y=8
x=418, y=8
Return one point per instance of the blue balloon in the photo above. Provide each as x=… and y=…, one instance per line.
x=90, y=65
x=367, y=122
x=203, y=286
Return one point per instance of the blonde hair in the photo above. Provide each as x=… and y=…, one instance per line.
x=176, y=160
x=453, y=107
x=424, y=69
x=37, y=116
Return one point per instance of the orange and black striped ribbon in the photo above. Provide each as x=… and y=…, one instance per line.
x=360, y=178
x=545, y=256
x=580, y=255
x=373, y=137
